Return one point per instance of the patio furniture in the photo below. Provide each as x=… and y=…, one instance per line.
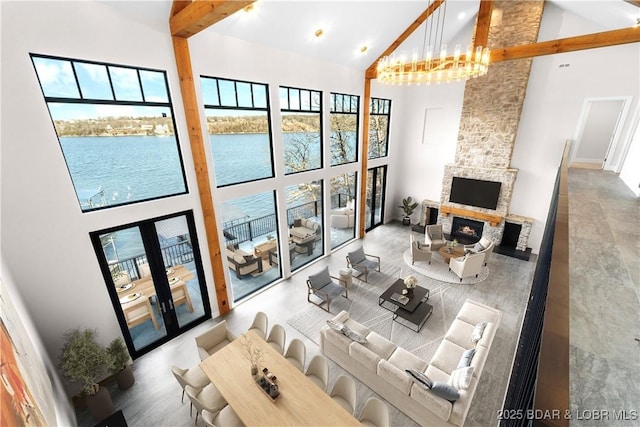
x=139, y=311
x=363, y=263
x=242, y=262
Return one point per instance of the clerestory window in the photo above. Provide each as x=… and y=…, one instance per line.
x=116, y=129
x=380, y=116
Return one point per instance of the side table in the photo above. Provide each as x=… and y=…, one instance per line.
x=346, y=275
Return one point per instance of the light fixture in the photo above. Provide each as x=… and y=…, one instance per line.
x=319, y=32
x=363, y=49
x=248, y=8
x=434, y=65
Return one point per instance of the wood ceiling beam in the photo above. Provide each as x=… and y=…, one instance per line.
x=410, y=29
x=570, y=44
x=483, y=23
x=201, y=14
x=634, y=2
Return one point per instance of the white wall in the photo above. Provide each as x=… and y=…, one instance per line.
x=630, y=173
x=45, y=237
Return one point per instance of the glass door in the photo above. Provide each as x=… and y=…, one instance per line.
x=154, y=276
x=376, y=178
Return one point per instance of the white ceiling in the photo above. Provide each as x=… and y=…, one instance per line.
x=348, y=25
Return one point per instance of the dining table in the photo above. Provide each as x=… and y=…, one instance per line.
x=300, y=402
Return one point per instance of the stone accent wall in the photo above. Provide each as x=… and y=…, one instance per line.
x=526, y=224
x=491, y=114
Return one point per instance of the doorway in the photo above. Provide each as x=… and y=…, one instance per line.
x=154, y=276
x=376, y=184
x=599, y=132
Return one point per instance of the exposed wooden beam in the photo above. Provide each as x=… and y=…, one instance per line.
x=178, y=5
x=201, y=14
x=366, y=115
x=634, y=2
x=570, y=44
x=483, y=22
x=192, y=116
x=410, y=29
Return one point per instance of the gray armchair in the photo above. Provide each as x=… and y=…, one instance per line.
x=363, y=263
x=419, y=252
x=433, y=237
x=323, y=287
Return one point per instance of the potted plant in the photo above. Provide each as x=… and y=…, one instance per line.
x=119, y=364
x=408, y=206
x=83, y=359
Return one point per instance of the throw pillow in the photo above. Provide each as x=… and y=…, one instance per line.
x=445, y=391
x=354, y=335
x=419, y=378
x=478, y=247
x=297, y=222
x=338, y=326
x=465, y=360
x=461, y=378
x=478, y=331
x=249, y=258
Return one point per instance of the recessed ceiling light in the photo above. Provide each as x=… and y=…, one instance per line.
x=319, y=32
x=248, y=8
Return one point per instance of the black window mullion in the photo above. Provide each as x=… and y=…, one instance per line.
x=75, y=76
x=113, y=92
x=140, y=84
x=218, y=91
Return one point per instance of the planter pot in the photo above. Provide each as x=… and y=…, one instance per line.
x=125, y=378
x=406, y=220
x=100, y=405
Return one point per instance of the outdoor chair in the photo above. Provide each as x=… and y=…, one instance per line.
x=433, y=237
x=323, y=287
x=363, y=263
x=419, y=252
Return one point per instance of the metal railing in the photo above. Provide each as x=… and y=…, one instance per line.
x=179, y=253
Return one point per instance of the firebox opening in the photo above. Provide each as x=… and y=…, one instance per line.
x=466, y=231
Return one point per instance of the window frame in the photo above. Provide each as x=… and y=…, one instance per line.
x=332, y=110
x=380, y=107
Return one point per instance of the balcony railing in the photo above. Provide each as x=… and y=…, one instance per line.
x=179, y=253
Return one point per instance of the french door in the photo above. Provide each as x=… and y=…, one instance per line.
x=376, y=185
x=153, y=272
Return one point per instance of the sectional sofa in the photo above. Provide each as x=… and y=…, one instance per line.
x=382, y=365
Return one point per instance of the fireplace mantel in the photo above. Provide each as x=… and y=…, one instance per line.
x=493, y=220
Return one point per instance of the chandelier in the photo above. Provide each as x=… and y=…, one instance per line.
x=434, y=65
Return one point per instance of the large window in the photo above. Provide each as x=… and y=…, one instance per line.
x=379, y=127
x=344, y=128
x=304, y=217
x=239, y=129
x=301, y=129
x=116, y=129
x=342, y=216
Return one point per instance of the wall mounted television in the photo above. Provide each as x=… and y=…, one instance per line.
x=474, y=192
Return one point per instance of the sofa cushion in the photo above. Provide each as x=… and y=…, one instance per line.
x=460, y=333
x=357, y=327
x=238, y=258
x=338, y=339
x=380, y=345
x=402, y=359
x=436, y=374
x=487, y=335
x=426, y=398
x=447, y=356
x=395, y=376
x=445, y=391
x=364, y=356
x=461, y=408
x=474, y=313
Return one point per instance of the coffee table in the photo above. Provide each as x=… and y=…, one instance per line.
x=458, y=251
x=415, y=311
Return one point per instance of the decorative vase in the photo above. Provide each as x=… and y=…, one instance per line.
x=125, y=378
x=100, y=405
x=406, y=220
x=409, y=292
x=254, y=370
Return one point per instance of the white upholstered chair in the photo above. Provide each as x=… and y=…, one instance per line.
x=375, y=413
x=296, y=354
x=277, y=338
x=419, y=252
x=226, y=417
x=260, y=325
x=214, y=339
x=433, y=237
x=344, y=393
x=194, y=377
x=208, y=398
x=468, y=265
x=485, y=246
x=318, y=371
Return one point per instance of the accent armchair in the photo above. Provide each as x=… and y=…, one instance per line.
x=419, y=252
x=484, y=246
x=214, y=339
x=433, y=237
x=363, y=263
x=323, y=287
x=468, y=265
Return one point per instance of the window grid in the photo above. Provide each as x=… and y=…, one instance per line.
x=253, y=87
x=347, y=105
x=312, y=93
x=380, y=112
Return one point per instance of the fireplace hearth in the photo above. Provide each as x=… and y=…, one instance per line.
x=466, y=231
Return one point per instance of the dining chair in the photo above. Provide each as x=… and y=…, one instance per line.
x=180, y=295
x=318, y=371
x=277, y=338
x=208, y=398
x=139, y=311
x=194, y=377
x=260, y=324
x=226, y=417
x=214, y=339
x=375, y=413
x=344, y=393
x=296, y=354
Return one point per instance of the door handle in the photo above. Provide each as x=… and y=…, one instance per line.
x=171, y=305
x=164, y=309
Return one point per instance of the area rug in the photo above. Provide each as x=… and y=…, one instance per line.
x=438, y=270
x=362, y=306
